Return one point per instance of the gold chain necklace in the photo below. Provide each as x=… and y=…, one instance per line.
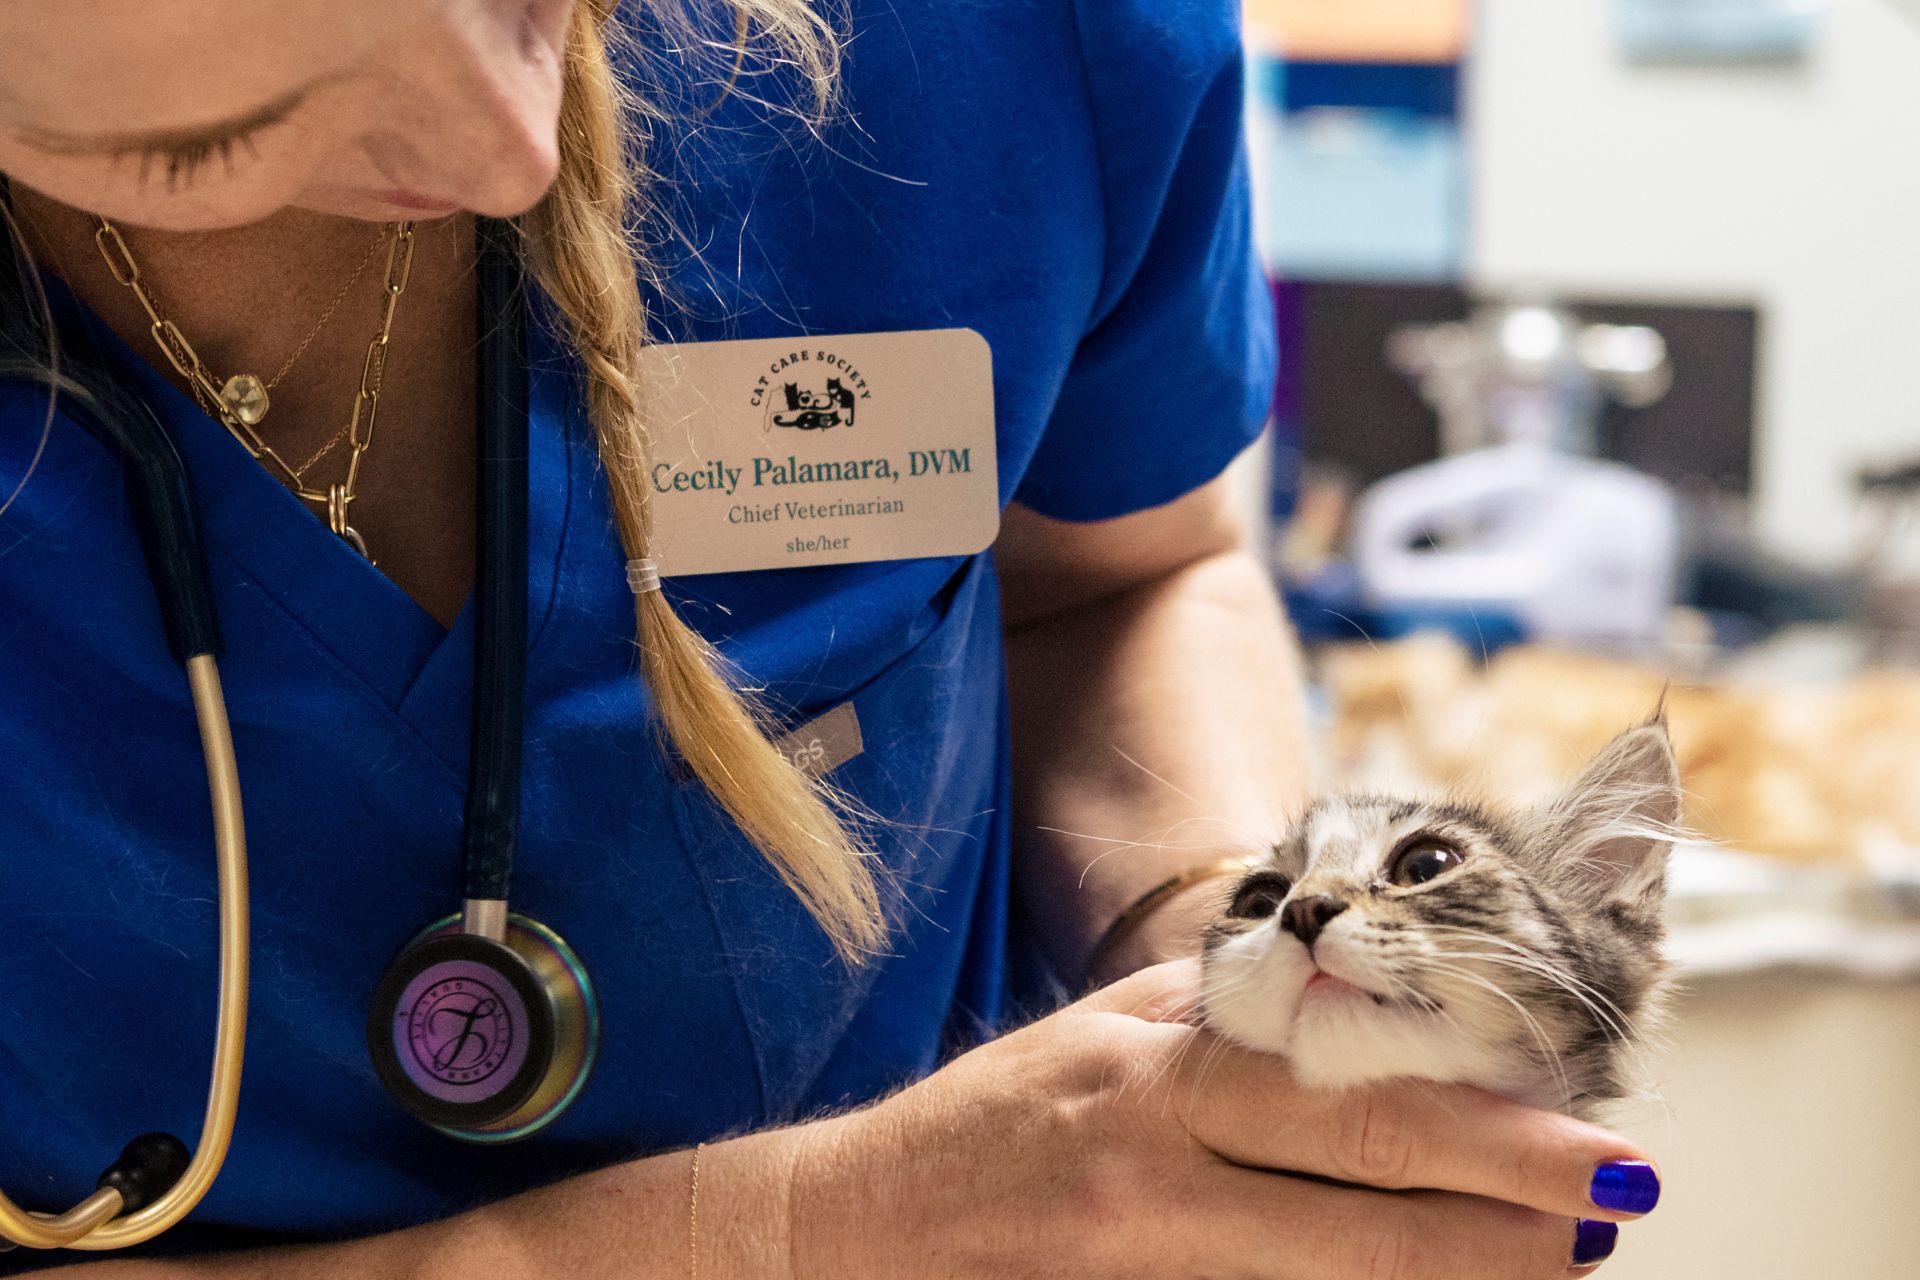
x=340, y=296
x=241, y=401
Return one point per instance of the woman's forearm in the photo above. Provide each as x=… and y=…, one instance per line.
x=632, y=1219
x=1153, y=729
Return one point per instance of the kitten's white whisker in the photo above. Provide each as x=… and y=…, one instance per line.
x=1609, y=1016
x=1184, y=1010
x=1611, y=1021
x=1596, y=1001
x=1172, y=1069
x=1162, y=841
x=1251, y=839
x=1172, y=1065
x=1560, y=972
x=1426, y=1002
x=1156, y=843
x=1546, y=1044
x=1210, y=1062
x=1179, y=791
x=1398, y=988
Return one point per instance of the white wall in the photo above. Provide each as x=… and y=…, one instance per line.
x=1795, y=187
x=1787, y=1137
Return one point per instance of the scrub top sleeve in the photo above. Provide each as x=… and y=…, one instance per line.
x=1174, y=374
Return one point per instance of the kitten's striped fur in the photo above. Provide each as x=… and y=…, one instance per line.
x=1530, y=967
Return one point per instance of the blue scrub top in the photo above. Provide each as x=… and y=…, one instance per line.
x=1066, y=178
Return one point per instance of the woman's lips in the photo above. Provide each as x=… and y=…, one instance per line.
x=415, y=201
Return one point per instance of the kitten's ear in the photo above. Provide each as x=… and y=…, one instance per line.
x=1614, y=826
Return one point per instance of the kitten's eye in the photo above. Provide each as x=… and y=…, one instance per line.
x=1260, y=895
x=1422, y=860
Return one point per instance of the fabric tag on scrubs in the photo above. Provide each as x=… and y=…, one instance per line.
x=780, y=452
x=825, y=742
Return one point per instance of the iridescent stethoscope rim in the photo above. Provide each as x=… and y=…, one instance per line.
x=576, y=971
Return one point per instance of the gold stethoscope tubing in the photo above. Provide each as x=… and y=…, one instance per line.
x=93, y=1224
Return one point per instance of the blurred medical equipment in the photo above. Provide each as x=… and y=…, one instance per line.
x=1708, y=32
x=1520, y=520
x=1529, y=372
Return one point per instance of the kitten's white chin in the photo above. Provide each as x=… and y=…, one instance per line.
x=1251, y=988
x=1334, y=1036
x=1342, y=1040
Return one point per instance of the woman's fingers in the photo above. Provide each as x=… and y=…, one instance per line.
x=1406, y=1134
x=1292, y=1229
x=1402, y=1135
x=1164, y=993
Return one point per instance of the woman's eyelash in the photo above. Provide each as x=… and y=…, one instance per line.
x=181, y=164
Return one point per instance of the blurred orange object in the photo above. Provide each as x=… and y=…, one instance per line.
x=1813, y=773
x=1359, y=30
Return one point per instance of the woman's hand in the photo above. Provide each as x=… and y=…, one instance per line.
x=1110, y=1140
x=1172, y=931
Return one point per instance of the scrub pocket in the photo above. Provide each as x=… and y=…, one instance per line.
x=933, y=770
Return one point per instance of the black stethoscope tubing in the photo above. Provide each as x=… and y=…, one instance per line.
x=491, y=830
x=546, y=990
x=160, y=496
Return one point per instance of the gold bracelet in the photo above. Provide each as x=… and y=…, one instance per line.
x=1128, y=922
x=693, y=1215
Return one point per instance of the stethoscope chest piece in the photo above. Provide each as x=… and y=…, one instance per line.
x=484, y=1040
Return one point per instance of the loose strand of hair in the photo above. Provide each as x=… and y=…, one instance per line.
x=27, y=269
x=580, y=243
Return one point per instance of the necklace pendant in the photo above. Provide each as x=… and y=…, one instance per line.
x=245, y=397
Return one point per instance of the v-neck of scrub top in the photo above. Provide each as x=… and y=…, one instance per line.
x=374, y=631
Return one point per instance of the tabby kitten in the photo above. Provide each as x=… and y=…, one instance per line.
x=1520, y=954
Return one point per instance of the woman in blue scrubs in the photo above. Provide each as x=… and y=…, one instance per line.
x=1048, y=730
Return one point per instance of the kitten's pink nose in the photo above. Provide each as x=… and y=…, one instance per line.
x=1304, y=918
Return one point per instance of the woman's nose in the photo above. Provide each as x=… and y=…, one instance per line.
x=485, y=119
x=509, y=160
x=494, y=170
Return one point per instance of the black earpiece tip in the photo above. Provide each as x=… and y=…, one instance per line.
x=149, y=1165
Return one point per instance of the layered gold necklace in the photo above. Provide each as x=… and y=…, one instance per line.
x=241, y=401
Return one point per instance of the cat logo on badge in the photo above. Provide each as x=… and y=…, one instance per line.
x=804, y=408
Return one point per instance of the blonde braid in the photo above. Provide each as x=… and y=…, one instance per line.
x=581, y=249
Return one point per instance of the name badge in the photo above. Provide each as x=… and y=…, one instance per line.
x=781, y=452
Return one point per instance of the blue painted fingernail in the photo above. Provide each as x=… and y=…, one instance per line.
x=1625, y=1186
x=1593, y=1241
